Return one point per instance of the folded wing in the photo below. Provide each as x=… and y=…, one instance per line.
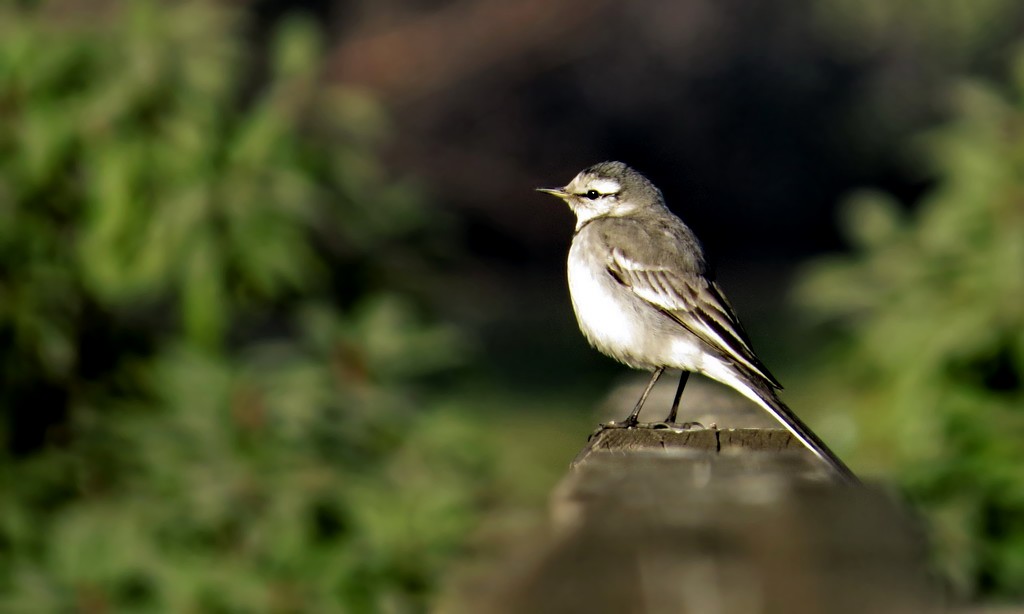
x=693, y=301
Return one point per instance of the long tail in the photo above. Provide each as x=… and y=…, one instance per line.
x=765, y=396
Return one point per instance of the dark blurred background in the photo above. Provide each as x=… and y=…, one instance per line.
x=284, y=327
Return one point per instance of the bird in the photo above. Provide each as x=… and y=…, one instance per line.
x=643, y=295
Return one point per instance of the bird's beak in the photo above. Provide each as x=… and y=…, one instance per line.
x=559, y=192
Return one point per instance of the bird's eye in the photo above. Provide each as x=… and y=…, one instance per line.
x=593, y=194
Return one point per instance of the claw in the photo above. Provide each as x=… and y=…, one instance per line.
x=678, y=426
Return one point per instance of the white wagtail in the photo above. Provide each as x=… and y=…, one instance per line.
x=642, y=295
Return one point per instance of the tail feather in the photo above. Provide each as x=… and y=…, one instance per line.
x=769, y=400
x=764, y=393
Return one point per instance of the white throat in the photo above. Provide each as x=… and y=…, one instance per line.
x=585, y=214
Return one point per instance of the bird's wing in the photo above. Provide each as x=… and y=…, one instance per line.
x=692, y=300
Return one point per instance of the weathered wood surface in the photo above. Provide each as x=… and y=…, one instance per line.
x=710, y=440
x=713, y=522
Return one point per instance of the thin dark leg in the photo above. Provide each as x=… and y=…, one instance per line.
x=679, y=393
x=631, y=421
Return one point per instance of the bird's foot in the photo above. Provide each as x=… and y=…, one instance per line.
x=636, y=424
x=678, y=426
x=628, y=423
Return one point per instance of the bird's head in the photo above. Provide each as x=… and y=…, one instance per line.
x=608, y=189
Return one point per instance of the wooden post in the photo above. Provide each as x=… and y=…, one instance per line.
x=714, y=522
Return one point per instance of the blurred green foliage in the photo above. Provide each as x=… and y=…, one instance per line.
x=929, y=313
x=209, y=400
x=951, y=32
x=915, y=50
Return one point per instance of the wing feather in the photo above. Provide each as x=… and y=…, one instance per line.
x=694, y=302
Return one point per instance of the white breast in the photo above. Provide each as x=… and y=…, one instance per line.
x=609, y=323
x=622, y=325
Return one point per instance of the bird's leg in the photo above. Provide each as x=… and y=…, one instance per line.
x=679, y=393
x=632, y=421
